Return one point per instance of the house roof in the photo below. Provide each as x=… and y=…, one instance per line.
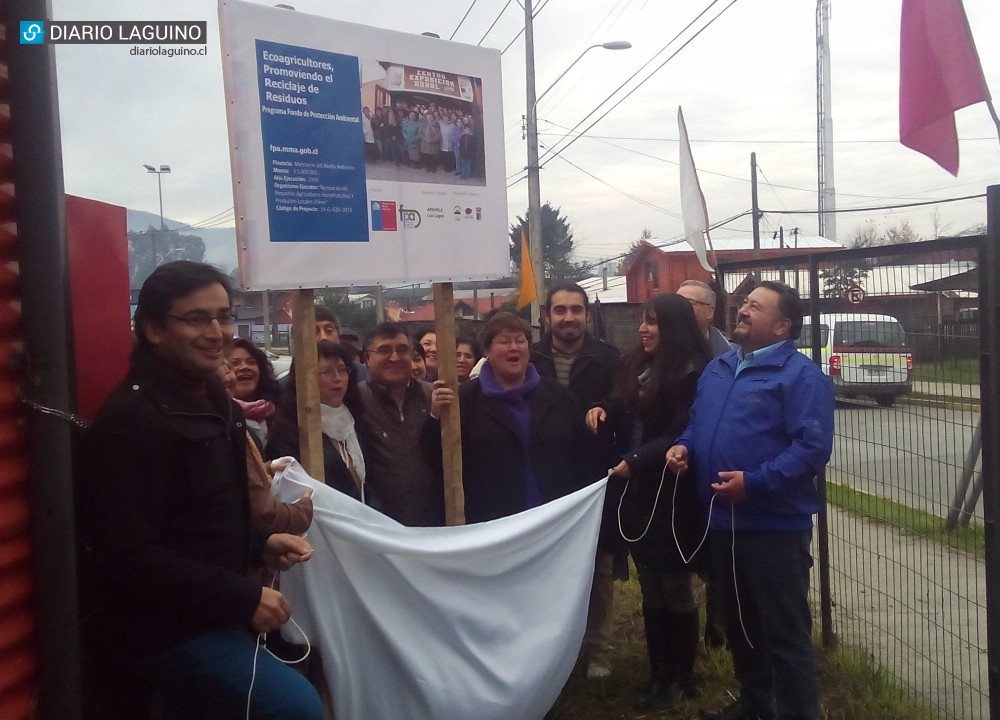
x=425, y=311
x=745, y=242
x=616, y=292
x=881, y=280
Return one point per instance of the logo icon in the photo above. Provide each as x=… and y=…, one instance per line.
x=383, y=216
x=32, y=32
x=409, y=217
x=479, y=213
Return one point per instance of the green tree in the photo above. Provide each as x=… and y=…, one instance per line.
x=153, y=247
x=557, y=245
x=870, y=234
x=839, y=278
x=633, y=251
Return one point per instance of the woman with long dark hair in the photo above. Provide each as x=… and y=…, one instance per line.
x=340, y=409
x=256, y=389
x=659, y=516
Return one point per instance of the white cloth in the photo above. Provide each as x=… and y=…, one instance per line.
x=480, y=621
x=338, y=425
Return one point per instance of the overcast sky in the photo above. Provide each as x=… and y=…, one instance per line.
x=747, y=83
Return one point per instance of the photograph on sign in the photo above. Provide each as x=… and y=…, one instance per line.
x=361, y=155
x=419, y=121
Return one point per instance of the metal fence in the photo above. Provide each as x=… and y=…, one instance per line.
x=901, y=569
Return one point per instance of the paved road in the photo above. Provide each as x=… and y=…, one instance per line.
x=918, y=607
x=912, y=454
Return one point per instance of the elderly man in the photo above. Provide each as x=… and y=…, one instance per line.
x=702, y=299
x=761, y=429
x=166, y=517
x=396, y=409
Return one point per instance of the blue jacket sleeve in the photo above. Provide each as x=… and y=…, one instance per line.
x=808, y=407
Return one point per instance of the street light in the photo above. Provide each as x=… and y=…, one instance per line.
x=613, y=45
x=159, y=184
x=534, y=189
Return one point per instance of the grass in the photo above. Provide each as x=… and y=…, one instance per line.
x=970, y=538
x=964, y=371
x=853, y=686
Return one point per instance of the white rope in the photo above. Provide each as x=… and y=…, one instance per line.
x=673, y=529
x=256, y=651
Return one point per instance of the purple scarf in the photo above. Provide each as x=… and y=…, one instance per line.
x=518, y=401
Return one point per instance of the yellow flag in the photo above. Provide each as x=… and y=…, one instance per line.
x=528, y=291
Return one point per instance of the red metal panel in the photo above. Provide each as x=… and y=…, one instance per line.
x=97, y=244
x=18, y=660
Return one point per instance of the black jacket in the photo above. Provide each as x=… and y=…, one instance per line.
x=493, y=460
x=591, y=378
x=661, y=424
x=283, y=439
x=592, y=374
x=166, y=514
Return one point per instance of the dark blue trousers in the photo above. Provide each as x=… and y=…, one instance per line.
x=209, y=677
x=776, y=669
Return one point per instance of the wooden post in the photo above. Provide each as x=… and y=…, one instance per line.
x=451, y=421
x=306, y=384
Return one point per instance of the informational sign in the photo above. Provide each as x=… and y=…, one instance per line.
x=361, y=155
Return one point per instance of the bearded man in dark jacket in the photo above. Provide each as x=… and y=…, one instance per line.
x=587, y=367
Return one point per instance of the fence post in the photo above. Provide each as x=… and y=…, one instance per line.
x=989, y=378
x=823, y=527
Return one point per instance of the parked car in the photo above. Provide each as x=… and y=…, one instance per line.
x=280, y=363
x=863, y=355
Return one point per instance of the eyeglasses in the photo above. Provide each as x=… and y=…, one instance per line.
x=200, y=320
x=698, y=302
x=402, y=351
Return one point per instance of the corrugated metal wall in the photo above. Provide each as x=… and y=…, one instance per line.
x=18, y=660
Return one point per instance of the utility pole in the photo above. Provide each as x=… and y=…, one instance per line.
x=535, y=242
x=753, y=200
x=379, y=305
x=827, y=195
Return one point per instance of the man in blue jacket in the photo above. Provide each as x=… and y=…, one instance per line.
x=761, y=429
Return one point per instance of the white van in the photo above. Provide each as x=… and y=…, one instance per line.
x=863, y=355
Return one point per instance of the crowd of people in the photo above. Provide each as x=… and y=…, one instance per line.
x=423, y=136
x=711, y=450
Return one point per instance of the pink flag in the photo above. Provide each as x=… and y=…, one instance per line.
x=939, y=73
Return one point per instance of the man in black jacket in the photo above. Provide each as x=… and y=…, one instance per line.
x=166, y=520
x=569, y=354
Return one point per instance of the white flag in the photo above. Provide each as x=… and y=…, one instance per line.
x=693, y=208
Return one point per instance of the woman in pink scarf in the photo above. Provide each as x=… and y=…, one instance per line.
x=256, y=389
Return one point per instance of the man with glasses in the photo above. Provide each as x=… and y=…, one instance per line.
x=167, y=524
x=702, y=299
x=396, y=408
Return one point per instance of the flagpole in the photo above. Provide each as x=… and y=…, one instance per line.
x=993, y=114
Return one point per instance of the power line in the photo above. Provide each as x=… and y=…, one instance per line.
x=885, y=207
x=753, y=142
x=619, y=190
x=495, y=21
x=463, y=19
x=648, y=77
x=521, y=31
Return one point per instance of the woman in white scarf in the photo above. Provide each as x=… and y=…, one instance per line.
x=343, y=457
